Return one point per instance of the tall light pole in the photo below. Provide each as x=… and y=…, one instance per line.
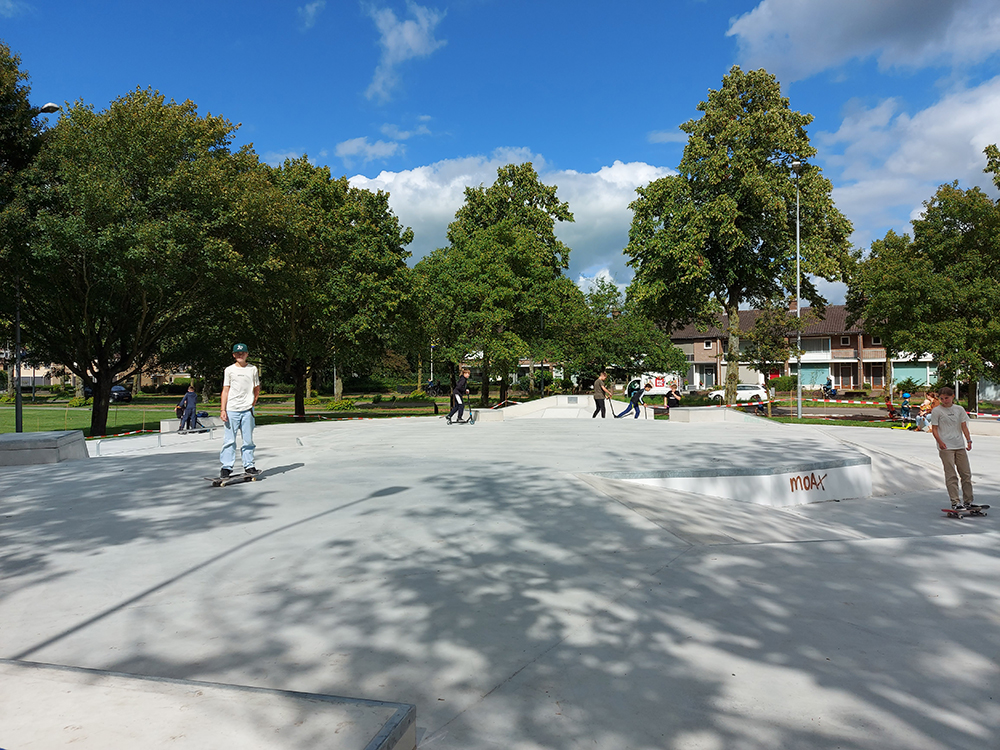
x=797, y=167
x=46, y=109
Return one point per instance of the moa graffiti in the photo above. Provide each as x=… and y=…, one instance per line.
x=807, y=482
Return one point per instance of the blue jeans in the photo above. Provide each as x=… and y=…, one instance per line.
x=628, y=409
x=239, y=421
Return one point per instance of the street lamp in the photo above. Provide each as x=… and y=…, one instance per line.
x=797, y=167
x=46, y=109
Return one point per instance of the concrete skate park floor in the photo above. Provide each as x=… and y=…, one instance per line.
x=485, y=575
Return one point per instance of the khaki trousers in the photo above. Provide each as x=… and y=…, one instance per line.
x=956, y=465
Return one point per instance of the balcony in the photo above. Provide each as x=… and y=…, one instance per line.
x=877, y=354
x=844, y=353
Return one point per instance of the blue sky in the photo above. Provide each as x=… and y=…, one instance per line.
x=422, y=99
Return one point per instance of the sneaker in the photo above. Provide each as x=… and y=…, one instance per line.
x=251, y=470
x=226, y=473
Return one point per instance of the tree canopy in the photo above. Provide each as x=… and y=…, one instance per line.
x=119, y=228
x=721, y=233
x=939, y=292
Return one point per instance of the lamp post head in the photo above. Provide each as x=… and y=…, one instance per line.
x=797, y=167
x=48, y=109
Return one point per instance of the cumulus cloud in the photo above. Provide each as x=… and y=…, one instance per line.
x=795, y=39
x=426, y=198
x=890, y=161
x=353, y=149
x=309, y=13
x=667, y=136
x=397, y=133
x=401, y=41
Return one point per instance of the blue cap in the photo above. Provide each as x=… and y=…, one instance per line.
x=906, y=395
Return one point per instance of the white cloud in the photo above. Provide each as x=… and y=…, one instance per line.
x=310, y=12
x=891, y=161
x=426, y=198
x=361, y=147
x=796, y=38
x=402, y=41
x=396, y=133
x=11, y=8
x=667, y=136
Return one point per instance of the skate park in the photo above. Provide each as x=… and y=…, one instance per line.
x=525, y=583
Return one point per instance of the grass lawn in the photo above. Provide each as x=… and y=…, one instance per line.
x=146, y=413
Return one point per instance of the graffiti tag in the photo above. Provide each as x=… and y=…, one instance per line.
x=807, y=482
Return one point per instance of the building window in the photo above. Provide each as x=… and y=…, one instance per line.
x=876, y=341
x=845, y=340
x=708, y=344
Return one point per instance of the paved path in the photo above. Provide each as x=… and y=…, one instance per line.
x=481, y=573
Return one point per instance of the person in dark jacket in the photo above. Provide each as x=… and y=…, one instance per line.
x=458, y=396
x=188, y=403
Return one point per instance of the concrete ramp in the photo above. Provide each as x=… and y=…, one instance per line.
x=556, y=407
x=55, y=706
x=26, y=448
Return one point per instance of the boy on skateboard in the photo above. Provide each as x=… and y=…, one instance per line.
x=949, y=425
x=240, y=390
x=458, y=395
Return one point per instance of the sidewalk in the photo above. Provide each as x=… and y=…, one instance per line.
x=485, y=575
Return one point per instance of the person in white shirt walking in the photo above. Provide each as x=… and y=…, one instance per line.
x=949, y=425
x=240, y=391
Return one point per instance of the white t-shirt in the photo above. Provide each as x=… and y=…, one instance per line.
x=241, y=382
x=949, y=421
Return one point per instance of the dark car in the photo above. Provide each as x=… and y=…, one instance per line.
x=121, y=393
x=118, y=393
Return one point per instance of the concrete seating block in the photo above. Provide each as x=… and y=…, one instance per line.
x=26, y=448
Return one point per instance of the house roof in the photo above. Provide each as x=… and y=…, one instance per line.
x=833, y=322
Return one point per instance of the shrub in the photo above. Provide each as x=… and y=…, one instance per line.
x=77, y=401
x=415, y=396
x=907, y=386
x=345, y=404
x=311, y=401
x=784, y=383
x=377, y=398
x=7, y=398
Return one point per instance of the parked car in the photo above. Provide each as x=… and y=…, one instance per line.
x=744, y=392
x=121, y=393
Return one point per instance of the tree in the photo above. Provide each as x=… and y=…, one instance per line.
x=769, y=340
x=124, y=227
x=500, y=278
x=332, y=285
x=721, y=233
x=939, y=292
x=20, y=138
x=619, y=337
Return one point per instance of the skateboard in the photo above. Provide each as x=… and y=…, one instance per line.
x=233, y=479
x=975, y=510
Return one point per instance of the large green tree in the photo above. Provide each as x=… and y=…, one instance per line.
x=333, y=287
x=498, y=287
x=617, y=336
x=20, y=138
x=939, y=292
x=720, y=234
x=123, y=227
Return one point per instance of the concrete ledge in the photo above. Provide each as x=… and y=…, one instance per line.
x=174, y=425
x=704, y=414
x=47, y=705
x=984, y=426
x=26, y=448
x=776, y=486
x=488, y=415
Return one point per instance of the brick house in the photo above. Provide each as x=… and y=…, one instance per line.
x=831, y=348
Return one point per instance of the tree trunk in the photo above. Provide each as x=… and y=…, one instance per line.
x=503, y=386
x=531, y=375
x=299, y=376
x=733, y=353
x=420, y=373
x=102, y=401
x=484, y=392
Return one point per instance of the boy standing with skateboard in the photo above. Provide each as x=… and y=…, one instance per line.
x=240, y=390
x=949, y=425
x=600, y=394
